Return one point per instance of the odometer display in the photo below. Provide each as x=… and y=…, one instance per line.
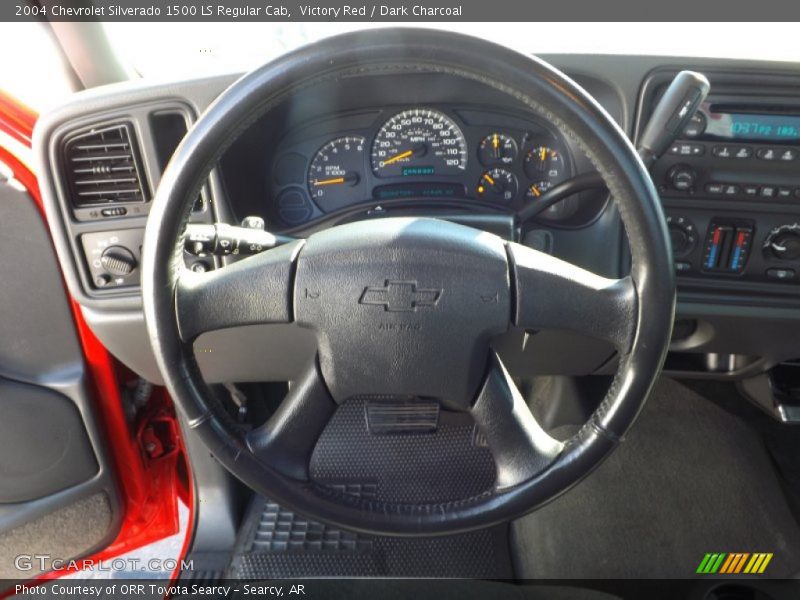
x=419, y=141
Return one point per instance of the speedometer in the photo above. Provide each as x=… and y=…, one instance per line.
x=419, y=142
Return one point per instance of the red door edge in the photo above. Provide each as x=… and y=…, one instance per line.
x=149, y=481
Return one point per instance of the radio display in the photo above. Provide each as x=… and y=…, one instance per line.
x=754, y=127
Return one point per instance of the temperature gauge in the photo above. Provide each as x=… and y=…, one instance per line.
x=497, y=148
x=498, y=185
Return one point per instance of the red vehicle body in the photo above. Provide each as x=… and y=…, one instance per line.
x=149, y=458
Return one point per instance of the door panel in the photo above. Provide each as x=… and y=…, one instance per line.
x=57, y=494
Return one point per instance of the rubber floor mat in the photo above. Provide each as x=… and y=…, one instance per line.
x=447, y=464
x=276, y=543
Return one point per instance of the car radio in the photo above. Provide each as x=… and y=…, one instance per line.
x=735, y=151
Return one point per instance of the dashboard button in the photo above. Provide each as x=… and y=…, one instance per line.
x=731, y=189
x=788, y=154
x=684, y=149
x=784, y=192
x=750, y=190
x=768, y=191
x=722, y=151
x=715, y=188
x=683, y=267
x=781, y=274
x=743, y=152
x=767, y=154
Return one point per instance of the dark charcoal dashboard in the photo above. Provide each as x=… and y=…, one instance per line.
x=409, y=144
x=425, y=144
x=458, y=157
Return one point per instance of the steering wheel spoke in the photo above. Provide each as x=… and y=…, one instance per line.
x=255, y=290
x=520, y=447
x=551, y=293
x=287, y=440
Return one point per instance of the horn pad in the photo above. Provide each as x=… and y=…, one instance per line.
x=403, y=307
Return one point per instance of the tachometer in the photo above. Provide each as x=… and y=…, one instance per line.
x=335, y=171
x=419, y=142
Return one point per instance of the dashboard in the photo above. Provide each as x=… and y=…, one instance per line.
x=433, y=145
x=498, y=161
x=413, y=145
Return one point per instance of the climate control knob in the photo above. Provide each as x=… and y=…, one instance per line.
x=118, y=261
x=682, y=177
x=682, y=234
x=784, y=242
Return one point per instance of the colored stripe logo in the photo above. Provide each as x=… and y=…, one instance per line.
x=734, y=563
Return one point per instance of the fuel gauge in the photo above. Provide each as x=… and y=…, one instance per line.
x=544, y=163
x=498, y=185
x=497, y=148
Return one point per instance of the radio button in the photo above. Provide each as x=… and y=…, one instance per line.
x=683, y=149
x=715, y=188
x=788, y=154
x=682, y=177
x=730, y=189
x=743, y=152
x=722, y=151
x=767, y=154
x=768, y=191
x=750, y=190
x=784, y=192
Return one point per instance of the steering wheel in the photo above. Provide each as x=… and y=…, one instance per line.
x=407, y=307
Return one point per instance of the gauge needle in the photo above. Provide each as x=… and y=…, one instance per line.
x=397, y=157
x=488, y=178
x=535, y=191
x=352, y=179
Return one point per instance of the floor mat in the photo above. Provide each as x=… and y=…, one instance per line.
x=450, y=464
x=691, y=478
x=276, y=543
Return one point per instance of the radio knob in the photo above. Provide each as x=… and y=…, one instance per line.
x=682, y=177
x=784, y=242
x=118, y=261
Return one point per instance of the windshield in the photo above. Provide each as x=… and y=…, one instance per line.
x=185, y=50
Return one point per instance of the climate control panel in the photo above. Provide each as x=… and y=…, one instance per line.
x=748, y=247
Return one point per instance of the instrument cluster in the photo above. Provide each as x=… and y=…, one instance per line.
x=423, y=155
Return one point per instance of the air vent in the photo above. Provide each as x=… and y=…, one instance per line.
x=103, y=167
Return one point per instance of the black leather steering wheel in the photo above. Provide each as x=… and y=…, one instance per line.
x=407, y=307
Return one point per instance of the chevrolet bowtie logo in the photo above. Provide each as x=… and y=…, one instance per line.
x=400, y=296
